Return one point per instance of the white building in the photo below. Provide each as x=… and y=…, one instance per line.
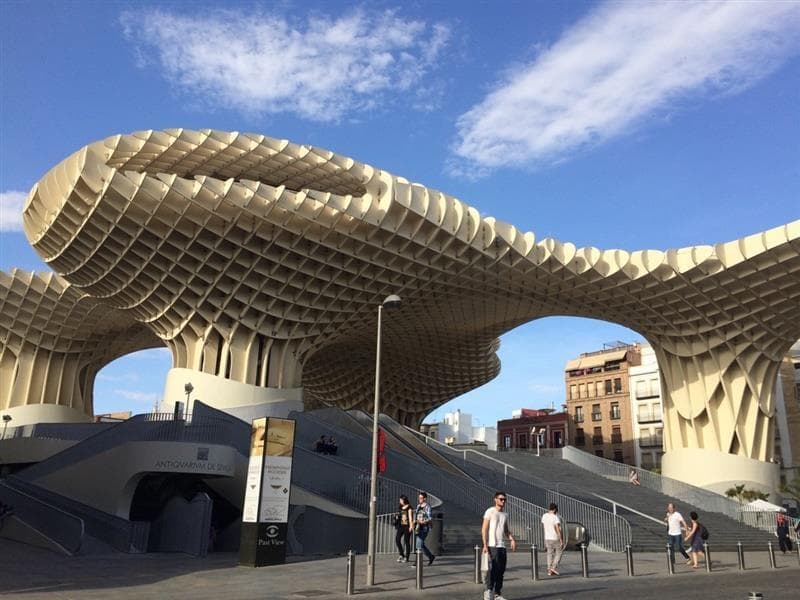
x=646, y=406
x=456, y=428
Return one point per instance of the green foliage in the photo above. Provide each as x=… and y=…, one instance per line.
x=736, y=492
x=740, y=493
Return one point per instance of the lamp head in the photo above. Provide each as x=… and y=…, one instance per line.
x=392, y=301
x=6, y=418
x=188, y=388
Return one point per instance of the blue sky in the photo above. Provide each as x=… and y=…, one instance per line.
x=616, y=125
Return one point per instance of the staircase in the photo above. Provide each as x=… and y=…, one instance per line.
x=646, y=535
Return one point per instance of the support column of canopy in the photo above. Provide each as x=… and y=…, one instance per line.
x=235, y=371
x=718, y=412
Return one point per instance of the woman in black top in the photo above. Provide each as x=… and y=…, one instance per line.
x=404, y=525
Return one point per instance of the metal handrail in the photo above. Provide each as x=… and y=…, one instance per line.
x=616, y=504
x=349, y=485
x=608, y=531
x=708, y=501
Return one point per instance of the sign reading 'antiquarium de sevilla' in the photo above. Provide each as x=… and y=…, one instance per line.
x=266, y=499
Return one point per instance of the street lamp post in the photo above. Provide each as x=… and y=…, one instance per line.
x=391, y=301
x=188, y=389
x=6, y=419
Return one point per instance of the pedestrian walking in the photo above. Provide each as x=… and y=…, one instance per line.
x=404, y=526
x=675, y=528
x=422, y=525
x=553, y=538
x=696, y=535
x=493, y=531
x=782, y=529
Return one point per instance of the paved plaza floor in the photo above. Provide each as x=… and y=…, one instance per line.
x=29, y=573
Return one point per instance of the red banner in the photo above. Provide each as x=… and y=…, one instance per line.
x=381, y=451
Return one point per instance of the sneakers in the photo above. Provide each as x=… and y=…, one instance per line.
x=400, y=559
x=498, y=597
x=488, y=595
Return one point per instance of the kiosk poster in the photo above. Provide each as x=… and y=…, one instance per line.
x=265, y=513
x=252, y=491
x=277, y=477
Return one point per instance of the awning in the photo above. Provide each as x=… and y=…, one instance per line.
x=596, y=360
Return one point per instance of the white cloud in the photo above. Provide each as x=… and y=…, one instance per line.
x=147, y=398
x=619, y=65
x=322, y=69
x=11, y=204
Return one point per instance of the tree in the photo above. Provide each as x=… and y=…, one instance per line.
x=736, y=492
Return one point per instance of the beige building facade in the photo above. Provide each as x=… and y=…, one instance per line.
x=260, y=263
x=597, y=386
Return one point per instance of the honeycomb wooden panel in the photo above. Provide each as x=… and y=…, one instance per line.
x=54, y=339
x=263, y=261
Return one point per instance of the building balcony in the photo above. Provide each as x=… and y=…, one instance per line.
x=649, y=417
x=578, y=418
x=580, y=441
x=597, y=439
x=645, y=395
x=615, y=414
x=651, y=442
x=597, y=416
x=616, y=438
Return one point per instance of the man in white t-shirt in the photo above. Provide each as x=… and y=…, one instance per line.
x=676, y=526
x=553, y=538
x=493, y=529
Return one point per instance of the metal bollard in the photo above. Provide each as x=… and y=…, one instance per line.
x=584, y=560
x=755, y=596
x=419, y=570
x=629, y=557
x=771, y=551
x=534, y=562
x=351, y=573
x=707, y=554
x=478, y=578
x=740, y=554
x=670, y=563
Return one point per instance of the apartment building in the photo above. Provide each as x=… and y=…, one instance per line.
x=598, y=401
x=646, y=408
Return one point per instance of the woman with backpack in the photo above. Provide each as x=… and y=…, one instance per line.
x=696, y=535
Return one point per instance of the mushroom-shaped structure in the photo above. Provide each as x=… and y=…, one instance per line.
x=53, y=341
x=261, y=262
